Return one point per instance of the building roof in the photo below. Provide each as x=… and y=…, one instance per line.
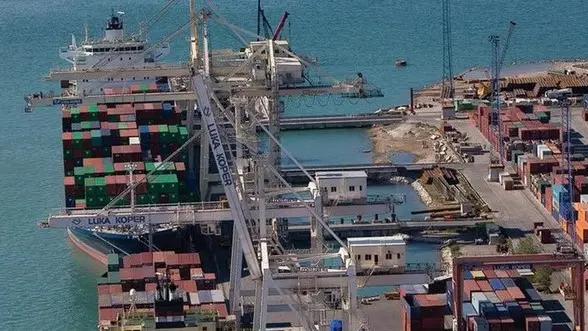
x=341, y=174
x=376, y=241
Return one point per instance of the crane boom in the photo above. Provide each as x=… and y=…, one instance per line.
x=222, y=163
x=280, y=26
x=511, y=27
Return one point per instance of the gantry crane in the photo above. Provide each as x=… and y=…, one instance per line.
x=567, y=175
x=497, y=62
x=251, y=179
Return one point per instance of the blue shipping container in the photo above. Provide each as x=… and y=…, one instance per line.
x=468, y=310
x=467, y=275
x=496, y=284
x=507, y=282
x=532, y=294
x=488, y=310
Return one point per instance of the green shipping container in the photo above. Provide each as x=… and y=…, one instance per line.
x=113, y=277
x=143, y=87
x=174, y=133
x=75, y=114
x=183, y=134
x=94, y=114
x=79, y=174
x=162, y=167
x=77, y=139
x=108, y=169
x=86, y=125
x=173, y=198
x=100, y=186
x=67, y=154
x=96, y=136
x=106, y=152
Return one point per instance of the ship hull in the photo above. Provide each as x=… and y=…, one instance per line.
x=97, y=249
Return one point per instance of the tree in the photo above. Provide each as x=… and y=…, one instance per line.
x=526, y=246
x=455, y=250
x=542, y=276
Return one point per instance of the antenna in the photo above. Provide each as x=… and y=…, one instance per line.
x=85, y=33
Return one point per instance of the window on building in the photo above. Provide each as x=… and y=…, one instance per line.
x=388, y=256
x=204, y=328
x=351, y=188
x=368, y=257
x=358, y=257
x=360, y=188
x=333, y=188
x=398, y=255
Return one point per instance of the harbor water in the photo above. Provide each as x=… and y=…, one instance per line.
x=49, y=286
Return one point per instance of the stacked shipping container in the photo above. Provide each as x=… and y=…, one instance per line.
x=503, y=300
x=526, y=130
x=138, y=272
x=100, y=140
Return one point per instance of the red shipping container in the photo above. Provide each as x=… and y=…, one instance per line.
x=109, y=314
x=490, y=274
x=484, y=286
x=69, y=183
x=66, y=138
x=115, y=288
x=504, y=295
x=501, y=273
x=103, y=289
x=515, y=293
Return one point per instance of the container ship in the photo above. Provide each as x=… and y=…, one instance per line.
x=106, y=147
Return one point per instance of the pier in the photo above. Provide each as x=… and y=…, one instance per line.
x=348, y=230
x=374, y=171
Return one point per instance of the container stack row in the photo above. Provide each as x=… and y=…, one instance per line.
x=141, y=272
x=534, y=147
x=423, y=312
x=505, y=300
x=99, y=142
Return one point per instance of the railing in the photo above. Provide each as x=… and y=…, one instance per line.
x=181, y=207
x=179, y=65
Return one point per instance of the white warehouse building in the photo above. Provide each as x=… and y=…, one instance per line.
x=378, y=254
x=341, y=186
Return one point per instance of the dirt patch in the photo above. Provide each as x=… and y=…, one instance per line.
x=413, y=138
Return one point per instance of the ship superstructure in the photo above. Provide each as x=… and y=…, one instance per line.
x=114, y=50
x=221, y=103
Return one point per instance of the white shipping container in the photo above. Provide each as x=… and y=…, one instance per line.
x=134, y=141
x=194, y=299
x=545, y=322
x=477, y=298
x=584, y=198
x=492, y=297
x=217, y=296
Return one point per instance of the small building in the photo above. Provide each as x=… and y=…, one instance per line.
x=382, y=254
x=341, y=186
